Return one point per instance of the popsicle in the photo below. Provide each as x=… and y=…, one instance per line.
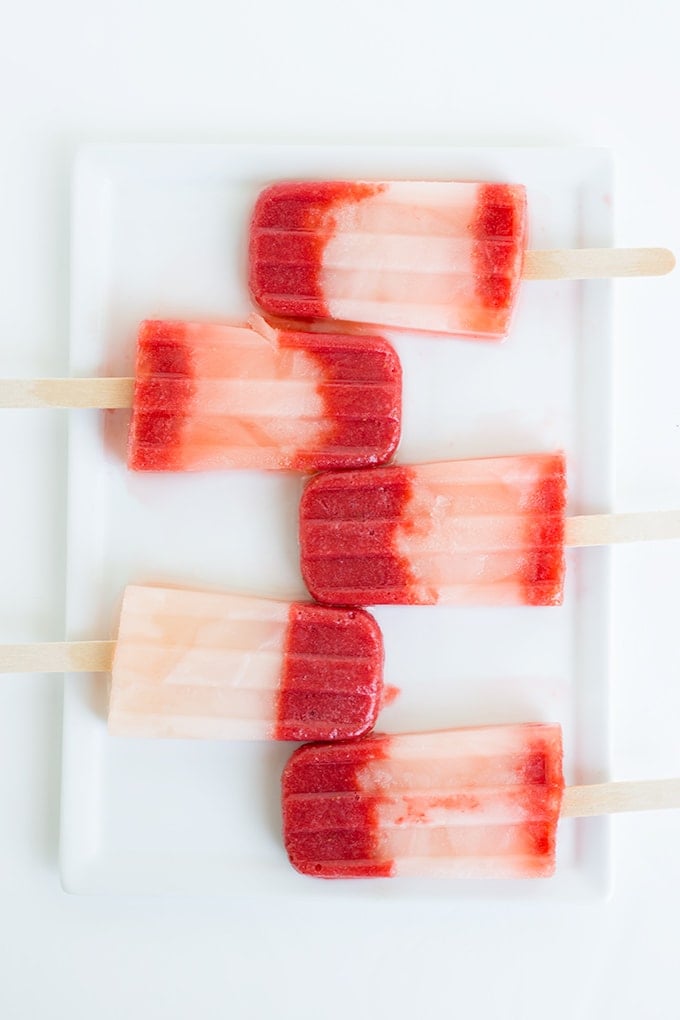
x=213, y=665
x=210, y=396
x=488, y=531
x=438, y=256
x=460, y=803
x=476, y=532
x=480, y=802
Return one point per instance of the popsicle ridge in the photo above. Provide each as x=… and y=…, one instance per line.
x=461, y=803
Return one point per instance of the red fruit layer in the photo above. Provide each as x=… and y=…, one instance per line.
x=355, y=566
x=361, y=394
x=499, y=229
x=332, y=837
x=331, y=687
x=288, y=232
x=543, y=577
x=163, y=392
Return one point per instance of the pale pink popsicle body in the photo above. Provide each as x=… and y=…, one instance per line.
x=221, y=666
x=437, y=256
x=479, y=802
x=212, y=396
x=470, y=532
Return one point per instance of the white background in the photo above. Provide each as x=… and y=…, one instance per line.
x=590, y=73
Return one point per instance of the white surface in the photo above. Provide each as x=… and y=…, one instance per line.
x=597, y=74
x=160, y=232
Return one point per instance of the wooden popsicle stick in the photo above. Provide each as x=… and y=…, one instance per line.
x=608, y=798
x=596, y=263
x=606, y=529
x=101, y=393
x=58, y=657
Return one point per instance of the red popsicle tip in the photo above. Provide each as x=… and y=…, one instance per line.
x=332, y=837
x=331, y=687
x=290, y=226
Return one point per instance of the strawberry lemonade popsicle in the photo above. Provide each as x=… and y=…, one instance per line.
x=212, y=396
x=432, y=256
x=468, y=803
x=222, y=666
x=471, y=532
x=438, y=256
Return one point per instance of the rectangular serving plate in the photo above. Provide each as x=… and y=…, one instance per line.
x=160, y=231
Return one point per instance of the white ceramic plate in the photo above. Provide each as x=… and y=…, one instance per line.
x=160, y=231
